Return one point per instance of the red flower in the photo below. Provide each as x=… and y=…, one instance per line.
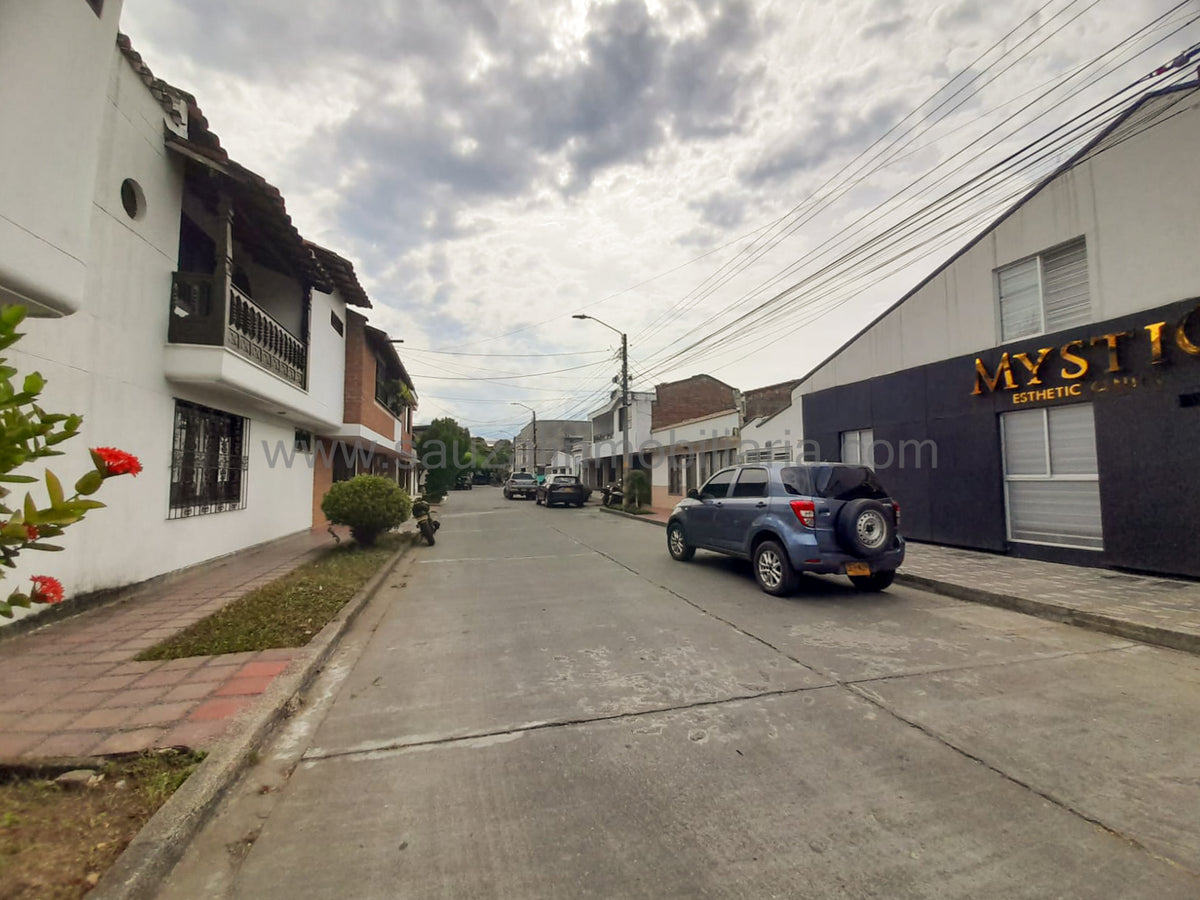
x=117, y=462
x=31, y=532
x=46, y=589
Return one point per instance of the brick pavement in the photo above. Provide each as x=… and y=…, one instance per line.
x=73, y=687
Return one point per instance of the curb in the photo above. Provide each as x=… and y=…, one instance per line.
x=139, y=871
x=636, y=518
x=1187, y=642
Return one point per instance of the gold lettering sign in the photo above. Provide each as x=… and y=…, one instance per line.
x=1004, y=369
x=1076, y=366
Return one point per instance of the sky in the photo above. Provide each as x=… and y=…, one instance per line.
x=705, y=176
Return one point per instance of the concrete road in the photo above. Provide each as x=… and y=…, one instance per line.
x=544, y=704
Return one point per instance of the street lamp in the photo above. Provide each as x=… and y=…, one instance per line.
x=625, y=463
x=534, y=411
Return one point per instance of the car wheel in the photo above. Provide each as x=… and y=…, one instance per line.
x=507, y=495
x=772, y=569
x=865, y=528
x=876, y=581
x=677, y=544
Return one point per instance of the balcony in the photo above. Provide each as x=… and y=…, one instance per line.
x=231, y=354
x=200, y=316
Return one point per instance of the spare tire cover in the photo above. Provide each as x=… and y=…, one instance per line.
x=866, y=528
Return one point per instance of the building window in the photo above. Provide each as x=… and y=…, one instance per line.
x=675, y=475
x=774, y=451
x=1045, y=293
x=133, y=199
x=1051, y=477
x=336, y=322
x=858, y=447
x=208, y=461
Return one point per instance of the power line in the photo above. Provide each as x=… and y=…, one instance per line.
x=855, y=227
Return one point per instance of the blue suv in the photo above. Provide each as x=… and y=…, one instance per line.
x=788, y=518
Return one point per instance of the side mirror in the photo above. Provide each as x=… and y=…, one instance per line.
x=693, y=494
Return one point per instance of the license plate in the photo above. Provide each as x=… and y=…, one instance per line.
x=858, y=569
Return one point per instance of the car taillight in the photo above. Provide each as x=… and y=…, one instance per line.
x=896, y=510
x=806, y=512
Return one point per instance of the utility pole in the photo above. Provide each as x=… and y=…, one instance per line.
x=534, y=411
x=626, y=462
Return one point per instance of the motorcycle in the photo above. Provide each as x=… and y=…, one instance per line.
x=612, y=494
x=427, y=525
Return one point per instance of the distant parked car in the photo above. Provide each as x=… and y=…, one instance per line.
x=520, y=484
x=463, y=483
x=562, y=489
x=788, y=518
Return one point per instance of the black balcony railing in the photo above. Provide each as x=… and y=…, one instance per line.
x=198, y=316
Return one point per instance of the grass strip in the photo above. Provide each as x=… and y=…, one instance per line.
x=56, y=842
x=289, y=611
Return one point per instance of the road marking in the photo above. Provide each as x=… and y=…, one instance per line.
x=431, y=562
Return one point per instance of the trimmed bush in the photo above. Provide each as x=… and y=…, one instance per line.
x=369, y=504
x=637, y=489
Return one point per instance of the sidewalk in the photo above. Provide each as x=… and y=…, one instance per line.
x=72, y=688
x=1162, y=611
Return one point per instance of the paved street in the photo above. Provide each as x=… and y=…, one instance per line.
x=544, y=704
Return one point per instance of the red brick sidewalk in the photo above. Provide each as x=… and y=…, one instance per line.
x=74, y=689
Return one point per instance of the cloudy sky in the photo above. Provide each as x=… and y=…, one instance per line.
x=668, y=166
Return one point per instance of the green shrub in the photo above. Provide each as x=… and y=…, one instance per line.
x=369, y=504
x=637, y=489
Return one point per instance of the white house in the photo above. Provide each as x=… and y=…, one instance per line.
x=603, y=456
x=694, y=432
x=198, y=330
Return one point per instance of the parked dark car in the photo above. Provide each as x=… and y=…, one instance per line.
x=463, y=483
x=565, y=489
x=520, y=484
x=788, y=518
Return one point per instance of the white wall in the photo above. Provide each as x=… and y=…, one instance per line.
x=639, y=430
x=106, y=363
x=698, y=436
x=54, y=55
x=1134, y=203
x=785, y=427
x=327, y=355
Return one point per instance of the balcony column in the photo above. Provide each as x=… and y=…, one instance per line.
x=223, y=275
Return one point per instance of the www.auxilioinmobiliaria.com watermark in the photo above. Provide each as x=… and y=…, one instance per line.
x=718, y=452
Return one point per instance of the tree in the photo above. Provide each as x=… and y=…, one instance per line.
x=445, y=452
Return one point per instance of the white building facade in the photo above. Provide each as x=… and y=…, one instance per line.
x=603, y=456
x=199, y=337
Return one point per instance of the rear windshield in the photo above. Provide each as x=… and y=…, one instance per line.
x=833, y=482
x=522, y=476
x=565, y=479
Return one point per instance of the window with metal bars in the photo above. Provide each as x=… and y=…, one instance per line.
x=1045, y=293
x=208, y=461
